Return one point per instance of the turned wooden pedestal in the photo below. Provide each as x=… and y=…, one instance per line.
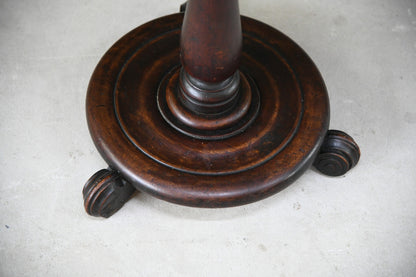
x=208, y=109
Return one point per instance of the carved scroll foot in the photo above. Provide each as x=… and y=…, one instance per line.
x=338, y=154
x=105, y=193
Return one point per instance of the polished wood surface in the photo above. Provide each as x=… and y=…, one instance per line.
x=105, y=193
x=211, y=39
x=338, y=154
x=207, y=97
x=205, y=116
x=134, y=138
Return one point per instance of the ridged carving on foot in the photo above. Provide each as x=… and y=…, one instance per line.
x=105, y=193
x=338, y=154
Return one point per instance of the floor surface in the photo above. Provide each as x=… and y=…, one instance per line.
x=360, y=224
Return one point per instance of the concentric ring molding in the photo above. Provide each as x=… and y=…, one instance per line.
x=280, y=144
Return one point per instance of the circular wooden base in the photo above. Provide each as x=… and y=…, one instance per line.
x=132, y=128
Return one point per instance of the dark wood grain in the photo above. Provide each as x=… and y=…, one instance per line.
x=211, y=39
x=208, y=109
x=339, y=153
x=105, y=193
x=207, y=97
x=134, y=138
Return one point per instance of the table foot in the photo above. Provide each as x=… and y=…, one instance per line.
x=338, y=154
x=105, y=193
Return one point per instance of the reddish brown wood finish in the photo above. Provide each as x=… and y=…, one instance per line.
x=208, y=119
x=179, y=111
x=105, y=193
x=134, y=138
x=211, y=39
x=207, y=98
x=338, y=154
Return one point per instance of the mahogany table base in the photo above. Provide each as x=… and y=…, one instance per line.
x=282, y=128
